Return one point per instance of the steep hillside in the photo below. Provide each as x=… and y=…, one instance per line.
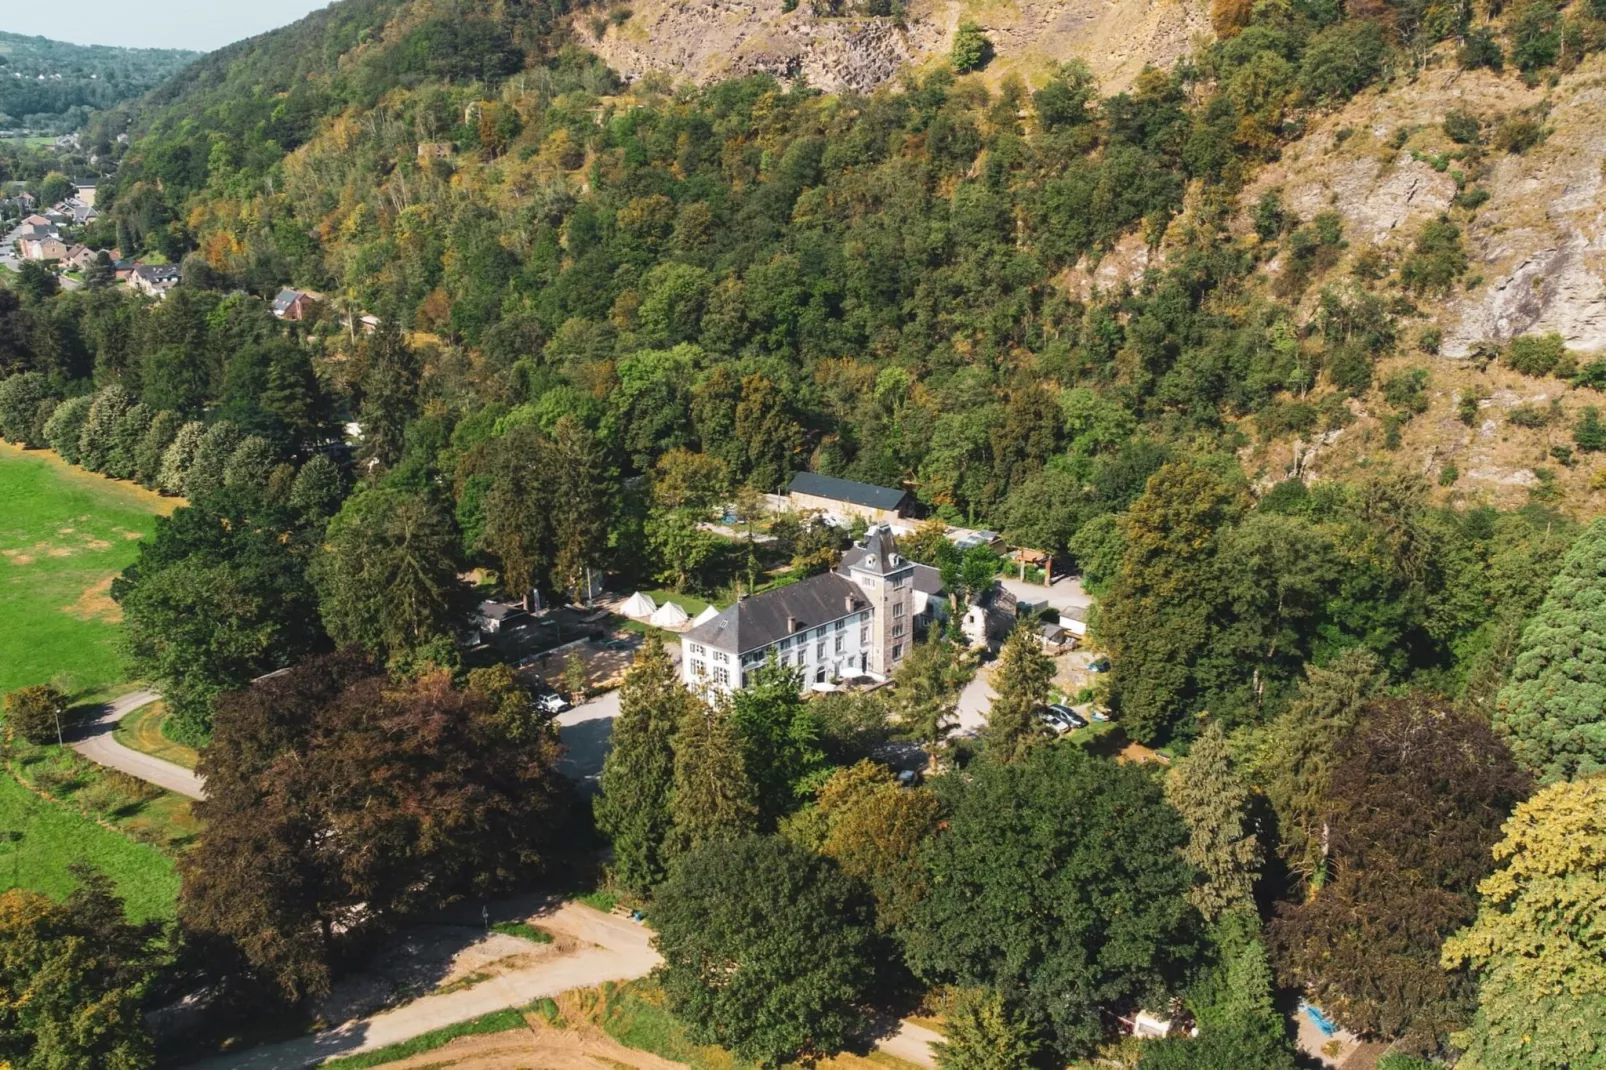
x=1536, y=266
x=706, y=40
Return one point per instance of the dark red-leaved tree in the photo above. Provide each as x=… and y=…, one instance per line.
x=339, y=801
x=1416, y=801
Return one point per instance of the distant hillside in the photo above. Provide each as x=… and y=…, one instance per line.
x=51, y=86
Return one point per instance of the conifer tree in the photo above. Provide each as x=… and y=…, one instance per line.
x=713, y=797
x=95, y=441
x=926, y=691
x=1222, y=844
x=179, y=456
x=1302, y=749
x=639, y=773
x=1022, y=682
x=1550, y=713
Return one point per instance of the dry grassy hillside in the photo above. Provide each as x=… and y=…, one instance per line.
x=705, y=40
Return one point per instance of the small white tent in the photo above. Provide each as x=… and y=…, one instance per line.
x=670, y=615
x=638, y=606
x=708, y=614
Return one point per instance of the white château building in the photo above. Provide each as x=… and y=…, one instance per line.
x=857, y=621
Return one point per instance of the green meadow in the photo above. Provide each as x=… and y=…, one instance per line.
x=64, y=535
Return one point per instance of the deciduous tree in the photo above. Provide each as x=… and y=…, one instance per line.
x=1157, y=617
x=1536, y=947
x=768, y=949
x=36, y=714
x=982, y=1034
x=1057, y=878
x=73, y=977
x=338, y=800
x=925, y=691
x=1417, y=801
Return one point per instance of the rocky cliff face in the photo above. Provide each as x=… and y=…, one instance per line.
x=706, y=40
x=1537, y=246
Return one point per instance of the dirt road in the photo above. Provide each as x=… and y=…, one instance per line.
x=611, y=949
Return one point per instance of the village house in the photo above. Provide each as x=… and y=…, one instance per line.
x=858, y=621
x=846, y=499
x=154, y=280
x=85, y=191
x=79, y=257
x=43, y=246
x=295, y=304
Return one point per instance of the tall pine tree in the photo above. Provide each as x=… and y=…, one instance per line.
x=713, y=797
x=1022, y=682
x=1551, y=712
x=1222, y=844
x=639, y=773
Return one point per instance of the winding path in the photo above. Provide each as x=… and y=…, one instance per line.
x=95, y=741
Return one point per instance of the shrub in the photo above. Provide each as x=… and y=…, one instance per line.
x=1462, y=127
x=1437, y=260
x=1285, y=417
x=1448, y=475
x=1518, y=133
x=1589, y=434
x=35, y=713
x=1480, y=49
x=1533, y=417
x=1592, y=375
x=1429, y=340
x=1471, y=198
x=1535, y=354
x=1536, y=35
x=971, y=49
x=1349, y=366
x=1407, y=391
x=1466, y=409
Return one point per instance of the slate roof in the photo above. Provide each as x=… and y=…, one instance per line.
x=284, y=300
x=878, y=553
x=754, y=623
x=157, y=272
x=846, y=490
x=927, y=579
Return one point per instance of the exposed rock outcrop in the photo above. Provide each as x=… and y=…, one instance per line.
x=706, y=40
x=1537, y=246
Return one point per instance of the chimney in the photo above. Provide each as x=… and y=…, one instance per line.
x=791, y=624
x=848, y=599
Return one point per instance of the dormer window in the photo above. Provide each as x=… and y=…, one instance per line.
x=869, y=559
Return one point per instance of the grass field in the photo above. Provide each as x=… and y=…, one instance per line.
x=39, y=839
x=142, y=731
x=64, y=535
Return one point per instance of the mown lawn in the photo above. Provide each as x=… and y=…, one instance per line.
x=39, y=839
x=142, y=731
x=64, y=535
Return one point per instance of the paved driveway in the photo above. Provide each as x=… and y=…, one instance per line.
x=586, y=730
x=94, y=740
